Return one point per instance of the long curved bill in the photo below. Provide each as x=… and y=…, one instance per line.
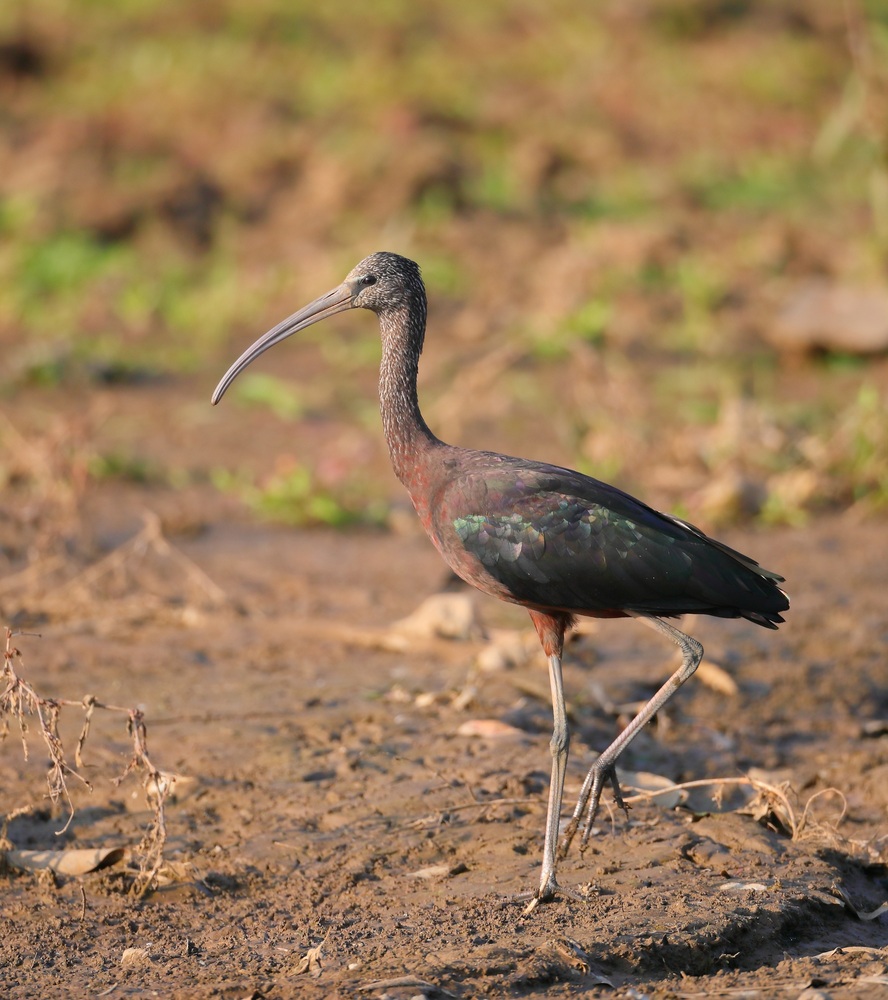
x=338, y=300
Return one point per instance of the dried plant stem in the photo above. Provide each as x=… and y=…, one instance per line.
x=776, y=798
x=20, y=700
x=157, y=785
x=149, y=538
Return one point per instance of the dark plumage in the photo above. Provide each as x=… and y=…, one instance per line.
x=556, y=539
x=557, y=542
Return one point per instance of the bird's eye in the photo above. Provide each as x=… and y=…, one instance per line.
x=368, y=279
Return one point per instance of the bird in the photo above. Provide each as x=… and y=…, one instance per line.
x=559, y=543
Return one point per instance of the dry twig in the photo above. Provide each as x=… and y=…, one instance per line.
x=19, y=700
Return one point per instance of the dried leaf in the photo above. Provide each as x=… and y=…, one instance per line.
x=73, y=862
x=490, y=729
x=311, y=962
x=407, y=981
x=432, y=871
x=717, y=678
x=850, y=949
x=507, y=648
x=718, y=797
x=662, y=791
x=135, y=958
x=446, y=616
x=863, y=914
x=736, y=886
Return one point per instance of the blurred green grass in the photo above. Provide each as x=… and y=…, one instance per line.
x=642, y=182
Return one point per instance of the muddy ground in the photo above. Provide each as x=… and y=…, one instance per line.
x=612, y=213
x=333, y=797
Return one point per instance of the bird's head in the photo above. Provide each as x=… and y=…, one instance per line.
x=383, y=282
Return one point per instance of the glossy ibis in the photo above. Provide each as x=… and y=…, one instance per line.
x=554, y=541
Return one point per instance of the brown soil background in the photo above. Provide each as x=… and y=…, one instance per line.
x=335, y=831
x=323, y=782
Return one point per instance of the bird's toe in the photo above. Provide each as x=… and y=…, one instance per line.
x=550, y=891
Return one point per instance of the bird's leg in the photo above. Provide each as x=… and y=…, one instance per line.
x=551, y=632
x=604, y=768
x=560, y=747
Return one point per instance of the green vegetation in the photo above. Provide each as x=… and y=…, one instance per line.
x=116, y=465
x=292, y=495
x=641, y=188
x=282, y=398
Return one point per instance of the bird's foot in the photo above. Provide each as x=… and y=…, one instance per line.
x=589, y=801
x=547, y=892
x=611, y=773
x=568, y=835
